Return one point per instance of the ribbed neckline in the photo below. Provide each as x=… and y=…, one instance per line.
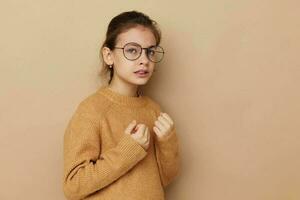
x=121, y=99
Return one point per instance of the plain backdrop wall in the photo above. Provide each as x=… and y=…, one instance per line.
x=230, y=80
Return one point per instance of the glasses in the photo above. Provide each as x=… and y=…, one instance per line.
x=133, y=51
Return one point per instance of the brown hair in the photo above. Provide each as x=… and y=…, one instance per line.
x=118, y=25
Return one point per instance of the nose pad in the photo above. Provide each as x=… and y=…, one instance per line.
x=144, y=56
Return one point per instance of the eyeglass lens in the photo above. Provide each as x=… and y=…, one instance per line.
x=133, y=51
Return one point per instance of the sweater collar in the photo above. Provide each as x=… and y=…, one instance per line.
x=121, y=99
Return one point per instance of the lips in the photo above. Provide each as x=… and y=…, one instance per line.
x=141, y=71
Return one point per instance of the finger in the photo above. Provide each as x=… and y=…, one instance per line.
x=145, y=137
x=148, y=134
x=157, y=131
x=166, y=116
x=135, y=136
x=141, y=130
x=159, y=125
x=147, y=142
x=164, y=122
x=130, y=127
x=144, y=127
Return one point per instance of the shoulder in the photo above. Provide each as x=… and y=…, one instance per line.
x=93, y=106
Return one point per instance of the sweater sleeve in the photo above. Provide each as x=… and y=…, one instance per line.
x=167, y=152
x=86, y=168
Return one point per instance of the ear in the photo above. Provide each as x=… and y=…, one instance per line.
x=107, y=56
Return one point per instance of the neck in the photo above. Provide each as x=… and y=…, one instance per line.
x=128, y=90
x=122, y=99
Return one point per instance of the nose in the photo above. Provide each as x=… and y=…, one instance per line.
x=144, y=57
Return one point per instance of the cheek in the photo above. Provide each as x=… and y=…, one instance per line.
x=151, y=67
x=121, y=62
x=125, y=67
x=118, y=60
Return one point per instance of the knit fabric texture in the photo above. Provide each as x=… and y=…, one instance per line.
x=101, y=162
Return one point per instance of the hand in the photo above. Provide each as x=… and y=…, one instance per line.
x=139, y=133
x=163, y=126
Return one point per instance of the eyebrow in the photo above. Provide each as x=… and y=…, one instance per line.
x=151, y=46
x=141, y=45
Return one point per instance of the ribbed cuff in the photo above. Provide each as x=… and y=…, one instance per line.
x=131, y=149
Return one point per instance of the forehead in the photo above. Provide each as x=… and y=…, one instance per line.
x=138, y=34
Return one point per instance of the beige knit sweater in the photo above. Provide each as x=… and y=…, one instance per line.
x=101, y=162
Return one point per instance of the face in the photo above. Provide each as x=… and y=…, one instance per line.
x=124, y=69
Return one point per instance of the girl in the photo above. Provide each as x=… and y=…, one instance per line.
x=118, y=144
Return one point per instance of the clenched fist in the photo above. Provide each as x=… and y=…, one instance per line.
x=163, y=126
x=140, y=133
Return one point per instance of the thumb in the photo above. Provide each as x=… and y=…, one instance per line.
x=130, y=127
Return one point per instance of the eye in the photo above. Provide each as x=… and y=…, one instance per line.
x=151, y=52
x=131, y=50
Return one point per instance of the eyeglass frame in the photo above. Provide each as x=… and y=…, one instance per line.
x=147, y=50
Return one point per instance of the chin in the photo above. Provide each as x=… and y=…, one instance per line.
x=143, y=82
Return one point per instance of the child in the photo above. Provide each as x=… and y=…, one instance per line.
x=118, y=144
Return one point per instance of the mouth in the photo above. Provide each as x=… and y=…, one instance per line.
x=142, y=73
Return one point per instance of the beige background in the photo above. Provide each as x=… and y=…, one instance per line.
x=230, y=80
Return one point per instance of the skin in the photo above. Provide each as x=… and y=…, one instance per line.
x=126, y=82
